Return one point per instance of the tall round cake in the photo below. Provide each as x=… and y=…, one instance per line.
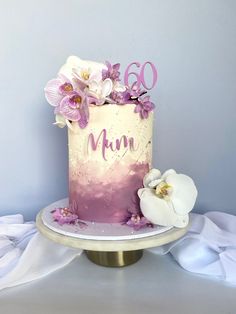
x=110, y=151
x=107, y=162
x=109, y=138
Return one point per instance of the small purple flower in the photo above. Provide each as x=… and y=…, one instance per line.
x=129, y=96
x=144, y=106
x=64, y=215
x=135, y=91
x=137, y=222
x=111, y=72
x=120, y=97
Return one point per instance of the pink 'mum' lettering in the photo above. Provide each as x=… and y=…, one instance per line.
x=102, y=139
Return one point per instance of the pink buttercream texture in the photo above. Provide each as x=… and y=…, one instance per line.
x=100, y=201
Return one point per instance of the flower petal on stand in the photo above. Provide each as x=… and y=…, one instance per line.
x=184, y=193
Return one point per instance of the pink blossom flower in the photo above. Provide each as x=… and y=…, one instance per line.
x=111, y=72
x=144, y=106
x=64, y=215
x=120, y=97
x=135, y=91
x=129, y=96
x=137, y=222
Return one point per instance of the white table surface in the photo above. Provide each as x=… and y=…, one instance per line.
x=156, y=284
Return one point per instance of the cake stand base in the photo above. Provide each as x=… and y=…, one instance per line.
x=114, y=259
x=100, y=247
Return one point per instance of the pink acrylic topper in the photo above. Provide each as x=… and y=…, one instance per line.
x=140, y=77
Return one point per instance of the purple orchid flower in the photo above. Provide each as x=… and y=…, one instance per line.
x=71, y=105
x=144, y=106
x=111, y=72
x=74, y=107
x=57, y=88
x=64, y=215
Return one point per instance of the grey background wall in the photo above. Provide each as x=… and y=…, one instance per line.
x=193, y=43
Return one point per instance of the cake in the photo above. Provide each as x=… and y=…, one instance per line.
x=107, y=162
x=110, y=146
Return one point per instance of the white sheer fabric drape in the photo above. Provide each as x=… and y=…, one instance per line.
x=26, y=255
x=208, y=248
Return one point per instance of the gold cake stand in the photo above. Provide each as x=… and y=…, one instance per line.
x=111, y=253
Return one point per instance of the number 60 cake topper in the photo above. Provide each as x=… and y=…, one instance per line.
x=141, y=75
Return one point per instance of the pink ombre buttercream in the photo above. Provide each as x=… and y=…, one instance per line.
x=106, y=201
x=107, y=162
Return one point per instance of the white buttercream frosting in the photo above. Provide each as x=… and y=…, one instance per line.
x=118, y=121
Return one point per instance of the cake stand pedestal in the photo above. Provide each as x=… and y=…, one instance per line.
x=107, y=251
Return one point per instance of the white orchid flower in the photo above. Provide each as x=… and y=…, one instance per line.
x=167, y=199
x=82, y=67
x=101, y=89
x=61, y=122
x=86, y=75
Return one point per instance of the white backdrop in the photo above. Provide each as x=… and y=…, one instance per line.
x=193, y=44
